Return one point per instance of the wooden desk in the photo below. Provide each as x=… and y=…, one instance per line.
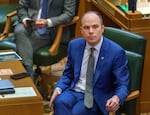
x=22, y=105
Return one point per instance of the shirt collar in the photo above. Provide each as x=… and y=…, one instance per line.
x=97, y=47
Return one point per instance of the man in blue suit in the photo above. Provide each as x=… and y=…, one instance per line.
x=110, y=79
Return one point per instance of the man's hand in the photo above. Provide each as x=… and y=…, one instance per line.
x=40, y=23
x=25, y=23
x=113, y=103
x=54, y=95
x=28, y=22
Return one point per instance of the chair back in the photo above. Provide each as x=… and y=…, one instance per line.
x=134, y=46
x=4, y=10
x=44, y=56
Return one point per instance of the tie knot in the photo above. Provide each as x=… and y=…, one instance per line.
x=92, y=50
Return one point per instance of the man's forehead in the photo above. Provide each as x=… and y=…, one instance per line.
x=91, y=21
x=90, y=15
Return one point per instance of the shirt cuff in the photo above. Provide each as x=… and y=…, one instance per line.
x=50, y=23
x=58, y=89
x=26, y=19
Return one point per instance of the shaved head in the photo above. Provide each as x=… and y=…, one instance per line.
x=92, y=27
x=92, y=13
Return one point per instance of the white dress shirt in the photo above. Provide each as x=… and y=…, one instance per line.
x=80, y=86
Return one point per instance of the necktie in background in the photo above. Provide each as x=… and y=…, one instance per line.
x=88, y=97
x=42, y=31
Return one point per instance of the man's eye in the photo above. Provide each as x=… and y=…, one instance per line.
x=86, y=27
x=95, y=26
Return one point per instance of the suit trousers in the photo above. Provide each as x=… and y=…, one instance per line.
x=27, y=41
x=72, y=103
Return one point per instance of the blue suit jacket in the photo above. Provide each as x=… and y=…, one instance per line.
x=111, y=75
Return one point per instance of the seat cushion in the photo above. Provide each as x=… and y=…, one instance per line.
x=135, y=65
x=8, y=43
x=43, y=58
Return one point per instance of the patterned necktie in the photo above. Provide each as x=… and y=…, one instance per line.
x=88, y=97
x=42, y=31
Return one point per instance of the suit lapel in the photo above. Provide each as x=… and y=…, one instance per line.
x=78, y=61
x=49, y=2
x=37, y=3
x=80, y=56
x=100, y=62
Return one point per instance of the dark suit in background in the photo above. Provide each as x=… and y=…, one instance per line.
x=27, y=39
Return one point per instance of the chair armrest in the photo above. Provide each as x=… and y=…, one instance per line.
x=112, y=113
x=54, y=48
x=132, y=95
x=51, y=113
x=7, y=25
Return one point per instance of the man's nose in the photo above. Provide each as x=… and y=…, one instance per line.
x=91, y=30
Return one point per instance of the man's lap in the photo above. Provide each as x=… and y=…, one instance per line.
x=74, y=101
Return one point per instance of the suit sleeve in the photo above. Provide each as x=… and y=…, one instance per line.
x=67, y=77
x=22, y=9
x=67, y=14
x=121, y=74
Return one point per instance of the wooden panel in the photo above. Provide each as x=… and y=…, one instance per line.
x=4, y=1
x=14, y=1
x=8, y=1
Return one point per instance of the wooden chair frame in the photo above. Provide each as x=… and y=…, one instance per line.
x=53, y=49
